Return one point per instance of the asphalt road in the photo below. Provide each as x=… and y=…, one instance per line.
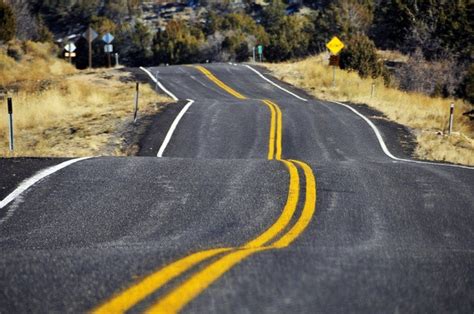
x=230, y=219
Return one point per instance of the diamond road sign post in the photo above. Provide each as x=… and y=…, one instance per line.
x=90, y=35
x=108, y=38
x=70, y=48
x=335, y=45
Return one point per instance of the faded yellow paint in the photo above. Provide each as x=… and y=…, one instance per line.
x=219, y=83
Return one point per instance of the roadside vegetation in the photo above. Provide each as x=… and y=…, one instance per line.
x=426, y=116
x=59, y=111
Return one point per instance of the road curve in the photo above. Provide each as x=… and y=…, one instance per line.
x=230, y=219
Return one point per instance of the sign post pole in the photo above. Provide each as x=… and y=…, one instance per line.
x=335, y=46
x=90, y=35
x=137, y=91
x=10, y=114
x=451, y=118
x=108, y=38
x=70, y=48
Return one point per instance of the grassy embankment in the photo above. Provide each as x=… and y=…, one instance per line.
x=426, y=116
x=59, y=111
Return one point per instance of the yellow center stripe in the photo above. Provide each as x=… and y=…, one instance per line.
x=192, y=287
x=136, y=293
x=271, y=145
x=288, y=210
x=220, y=83
x=308, y=209
x=131, y=296
x=275, y=146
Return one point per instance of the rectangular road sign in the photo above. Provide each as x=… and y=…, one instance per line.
x=70, y=54
x=335, y=45
x=108, y=48
x=334, y=60
x=260, y=49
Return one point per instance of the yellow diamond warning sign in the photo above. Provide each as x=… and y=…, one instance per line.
x=335, y=45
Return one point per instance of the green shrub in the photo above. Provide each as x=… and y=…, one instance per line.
x=360, y=55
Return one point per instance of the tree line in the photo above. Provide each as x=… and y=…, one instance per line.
x=436, y=34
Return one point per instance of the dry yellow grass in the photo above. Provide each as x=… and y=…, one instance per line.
x=426, y=116
x=80, y=115
x=38, y=63
x=61, y=112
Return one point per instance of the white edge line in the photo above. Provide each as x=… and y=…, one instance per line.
x=384, y=147
x=37, y=177
x=274, y=84
x=174, y=125
x=372, y=125
x=159, y=84
x=173, y=128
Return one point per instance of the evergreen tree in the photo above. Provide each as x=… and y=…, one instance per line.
x=360, y=55
x=7, y=23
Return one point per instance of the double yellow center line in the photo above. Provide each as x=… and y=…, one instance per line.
x=220, y=260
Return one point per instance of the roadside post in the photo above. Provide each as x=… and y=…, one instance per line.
x=372, y=90
x=116, y=60
x=335, y=46
x=451, y=118
x=135, y=114
x=90, y=35
x=70, y=48
x=10, y=114
x=108, y=48
x=253, y=55
x=260, y=52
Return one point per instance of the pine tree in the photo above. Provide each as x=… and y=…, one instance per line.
x=7, y=23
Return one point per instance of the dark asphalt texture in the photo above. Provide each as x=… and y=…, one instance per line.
x=387, y=236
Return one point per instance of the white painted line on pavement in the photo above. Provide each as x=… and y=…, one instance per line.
x=29, y=182
x=384, y=147
x=173, y=127
x=374, y=128
x=274, y=84
x=159, y=84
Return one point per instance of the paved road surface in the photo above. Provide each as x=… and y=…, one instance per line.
x=231, y=220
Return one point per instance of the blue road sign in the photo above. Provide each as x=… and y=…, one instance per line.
x=108, y=38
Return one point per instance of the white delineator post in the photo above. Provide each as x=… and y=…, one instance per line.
x=451, y=118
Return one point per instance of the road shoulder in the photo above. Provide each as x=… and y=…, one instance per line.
x=16, y=170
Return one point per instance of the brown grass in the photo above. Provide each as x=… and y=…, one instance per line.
x=65, y=113
x=426, y=116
